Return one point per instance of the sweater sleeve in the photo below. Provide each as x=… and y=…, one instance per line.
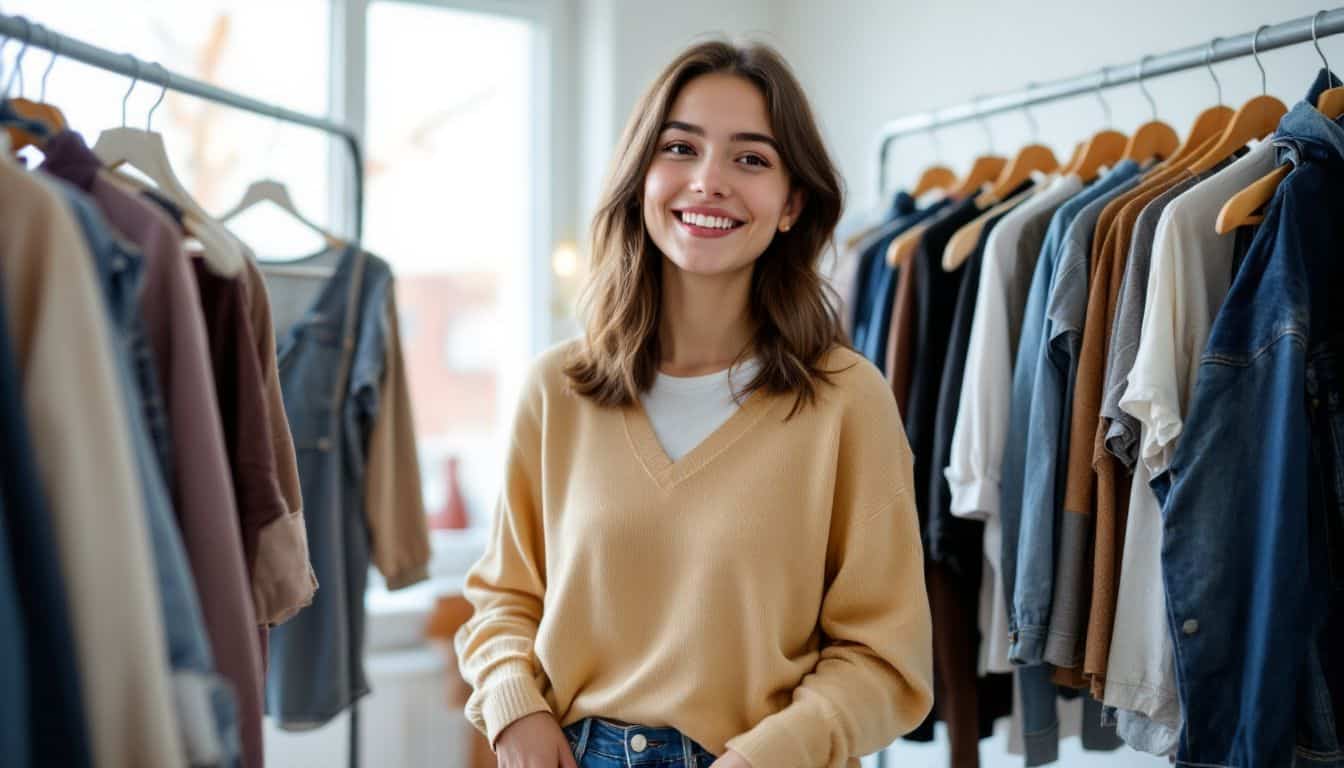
x=874, y=678
x=495, y=648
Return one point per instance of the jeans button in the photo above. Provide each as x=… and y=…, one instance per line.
x=1190, y=627
x=638, y=742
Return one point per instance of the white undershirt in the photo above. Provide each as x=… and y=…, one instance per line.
x=686, y=410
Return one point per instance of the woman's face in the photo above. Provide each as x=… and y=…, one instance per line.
x=717, y=190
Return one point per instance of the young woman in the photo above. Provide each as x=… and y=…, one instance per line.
x=707, y=549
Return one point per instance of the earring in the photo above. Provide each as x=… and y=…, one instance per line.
x=784, y=227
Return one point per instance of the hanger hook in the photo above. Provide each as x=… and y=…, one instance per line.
x=1144, y=89
x=1208, y=63
x=1105, y=108
x=1329, y=76
x=979, y=116
x=18, y=60
x=933, y=136
x=167, y=79
x=1264, y=82
x=135, y=78
x=54, y=43
x=1031, y=119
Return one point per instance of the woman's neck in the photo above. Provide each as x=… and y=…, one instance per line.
x=705, y=321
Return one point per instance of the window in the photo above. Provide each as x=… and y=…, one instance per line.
x=215, y=150
x=450, y=174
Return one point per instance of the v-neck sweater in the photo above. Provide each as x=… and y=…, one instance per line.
x=763, y=593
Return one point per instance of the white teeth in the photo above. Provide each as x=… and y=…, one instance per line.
x=711, y=222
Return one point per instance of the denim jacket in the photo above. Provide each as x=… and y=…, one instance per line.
x=341, y=373
x=1244, y=552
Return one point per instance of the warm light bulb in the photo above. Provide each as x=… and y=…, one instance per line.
x=565, y=259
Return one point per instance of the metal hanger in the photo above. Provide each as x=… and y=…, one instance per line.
x=1256, y=119
x=936, y=176
x=1106, y=147
x=984, y=168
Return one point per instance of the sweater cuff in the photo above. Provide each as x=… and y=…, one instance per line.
x=794, y=737
x=507, y=701
x=975, y=497
x=407, y=577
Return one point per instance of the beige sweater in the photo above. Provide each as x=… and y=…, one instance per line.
x=765, y=593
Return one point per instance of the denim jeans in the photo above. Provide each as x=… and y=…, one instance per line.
x=598, y=743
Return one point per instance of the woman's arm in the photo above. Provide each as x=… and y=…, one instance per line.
x=495, y=649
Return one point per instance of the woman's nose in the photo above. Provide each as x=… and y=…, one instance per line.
x=709, y=179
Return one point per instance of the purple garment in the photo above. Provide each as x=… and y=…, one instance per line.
x=202, y=492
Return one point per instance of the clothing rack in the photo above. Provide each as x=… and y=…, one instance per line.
x=128, y=65
x=62, y=46
x=1266, y=38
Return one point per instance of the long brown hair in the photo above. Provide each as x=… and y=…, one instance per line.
x=791, y=305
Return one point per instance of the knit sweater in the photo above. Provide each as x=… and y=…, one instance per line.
x=764, y=593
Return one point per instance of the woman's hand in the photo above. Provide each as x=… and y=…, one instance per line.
x=535, y=741
x=730, y=759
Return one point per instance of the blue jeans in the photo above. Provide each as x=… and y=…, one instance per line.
x=598, y=743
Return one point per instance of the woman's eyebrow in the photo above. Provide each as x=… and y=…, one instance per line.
x=744, y=136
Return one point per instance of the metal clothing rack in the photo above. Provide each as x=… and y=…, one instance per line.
x=1266, y=38
x=1306, y=29
x=62, y=46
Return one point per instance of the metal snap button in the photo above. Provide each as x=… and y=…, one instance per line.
x=638, y=742
x=323, y=444
x=1190, y=627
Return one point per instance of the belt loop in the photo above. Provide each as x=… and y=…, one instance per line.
x=688, y=754
x=583, y=736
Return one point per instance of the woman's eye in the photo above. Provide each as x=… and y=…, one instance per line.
x=680, y=145
x=757, y=160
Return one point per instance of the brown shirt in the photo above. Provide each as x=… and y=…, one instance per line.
x=275, y=544
x=1099, y=490
x=283, y=581
x=901, y=335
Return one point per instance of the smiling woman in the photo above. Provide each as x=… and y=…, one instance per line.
x=633, y=605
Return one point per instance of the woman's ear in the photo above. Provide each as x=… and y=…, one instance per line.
x=793, y=208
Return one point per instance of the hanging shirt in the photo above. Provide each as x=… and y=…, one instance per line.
x=346, y=396
x=1188, y=278
x=1066, y=310
x=982, y=412
x=83, y=453
x=200, y=486
x=684, y=410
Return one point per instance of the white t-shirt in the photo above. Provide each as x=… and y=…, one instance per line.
x=686, y=410
x=1189, y=278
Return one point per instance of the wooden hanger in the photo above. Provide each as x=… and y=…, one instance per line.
x=41, y=119
x=904, y=246
x=144, y=151
x=1245, y=206
x=985, y=169
x=1256, y=119
x=275, y=192
x=963, y=242
x=1154, y=140
x=1209, y=123
x=934, y=177
x=1105, y=148
x=1031, y=159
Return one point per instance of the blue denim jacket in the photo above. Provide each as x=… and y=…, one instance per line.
x=1031, y=491
x=208, y=712
x=1244, y=557
x=330, y=365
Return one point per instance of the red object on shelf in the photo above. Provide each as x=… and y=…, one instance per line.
x=453, y=514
